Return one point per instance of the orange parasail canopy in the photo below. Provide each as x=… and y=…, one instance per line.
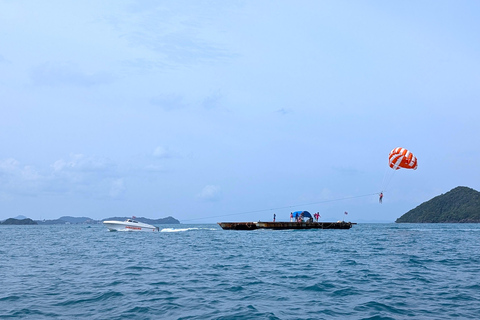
x=402, y=158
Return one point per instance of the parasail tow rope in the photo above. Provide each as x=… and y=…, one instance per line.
x=286, y=207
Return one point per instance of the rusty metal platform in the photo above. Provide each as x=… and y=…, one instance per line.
x=284, y=225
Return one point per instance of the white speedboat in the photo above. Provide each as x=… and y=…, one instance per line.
x=129, y=225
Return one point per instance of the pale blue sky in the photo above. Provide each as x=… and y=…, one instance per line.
x=200, y=109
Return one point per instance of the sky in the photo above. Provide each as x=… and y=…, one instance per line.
x=213, y=111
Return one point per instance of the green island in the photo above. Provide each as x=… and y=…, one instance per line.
x=83, y=220
x=459, y=205
x=18, y=222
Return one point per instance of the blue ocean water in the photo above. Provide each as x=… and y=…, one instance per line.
x=372, y=271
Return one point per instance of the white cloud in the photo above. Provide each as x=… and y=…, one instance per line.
x=82, y=163
x=67, y=74
x=117, y=188
x=213, y=101
x=169, y=102
x=29, y=173
x=326, y=194
x=12, y=168
x=155, y=168
x=284, y=111
x=176, y=34
x=209, y=193
x=9, y=165
x=16, y=178
x=161, y=152
x=88, y=175
x=91, y=176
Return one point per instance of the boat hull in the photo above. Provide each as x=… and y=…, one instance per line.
x=129, y=226
x=284, y=225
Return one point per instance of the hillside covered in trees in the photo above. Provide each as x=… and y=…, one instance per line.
x=167, y=220
x=459, y=205
x=13, y=221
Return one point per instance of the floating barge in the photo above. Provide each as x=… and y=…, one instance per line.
x=284, y=225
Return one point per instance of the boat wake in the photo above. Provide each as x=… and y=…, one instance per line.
x=185, y=229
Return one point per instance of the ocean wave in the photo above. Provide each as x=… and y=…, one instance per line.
x=77, y=273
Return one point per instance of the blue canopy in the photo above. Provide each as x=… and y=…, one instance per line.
x=306, y=214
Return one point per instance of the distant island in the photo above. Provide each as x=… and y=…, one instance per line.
x=167, y=220
x=68, y=220
x=459, y=205
x=18, y=222
x=21, y=220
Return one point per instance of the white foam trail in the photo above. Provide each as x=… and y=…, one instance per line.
x=184, y=229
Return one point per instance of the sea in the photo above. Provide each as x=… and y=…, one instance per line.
x=372, y=271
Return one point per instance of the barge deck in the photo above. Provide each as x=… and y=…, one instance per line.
x=284, y=225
